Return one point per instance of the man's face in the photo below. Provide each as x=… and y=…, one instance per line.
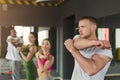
x=85, y=28
x=13, y=33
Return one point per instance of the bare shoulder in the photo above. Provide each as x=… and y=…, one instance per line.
x=33, y=48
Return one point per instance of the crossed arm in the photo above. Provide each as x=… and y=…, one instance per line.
x=93, y=65
x=14, y=42
x=30, y=54
x=47, y=64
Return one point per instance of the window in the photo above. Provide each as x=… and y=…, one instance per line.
x=42, y=33
x=117, y=33
x=23, y=31
x=103, y=34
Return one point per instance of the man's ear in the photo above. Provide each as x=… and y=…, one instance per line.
x=94, y=27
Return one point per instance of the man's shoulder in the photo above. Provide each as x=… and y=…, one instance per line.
x=9, y=36
x=76, y=36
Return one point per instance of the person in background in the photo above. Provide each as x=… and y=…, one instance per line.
x=27, y=53
x=44, y=61
x=13, y=54
x=92, y=56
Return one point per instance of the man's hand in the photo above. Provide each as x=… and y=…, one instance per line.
x=102, y=44
x=20, y=49
x=69, y=44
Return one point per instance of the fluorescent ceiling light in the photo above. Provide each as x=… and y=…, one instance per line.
x=44, y=0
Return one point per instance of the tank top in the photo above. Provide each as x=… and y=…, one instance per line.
x=43, y=62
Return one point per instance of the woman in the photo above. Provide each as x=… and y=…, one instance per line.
x=44, y=61
x=27, y=54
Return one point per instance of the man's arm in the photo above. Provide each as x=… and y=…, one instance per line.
x=14, y=42
x=93, y=65
x=81, y=43
x=90, y=66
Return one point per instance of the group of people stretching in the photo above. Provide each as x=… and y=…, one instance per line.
x=16, y=51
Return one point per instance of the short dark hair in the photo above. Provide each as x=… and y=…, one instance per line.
x=90, y=18
x=12, y=29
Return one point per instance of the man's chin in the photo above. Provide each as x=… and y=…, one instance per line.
x=82, y=36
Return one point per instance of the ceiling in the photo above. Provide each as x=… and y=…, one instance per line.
x=44, y=3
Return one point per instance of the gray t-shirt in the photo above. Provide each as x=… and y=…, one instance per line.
x=79, y=74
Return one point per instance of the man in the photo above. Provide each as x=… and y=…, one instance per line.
x=13, y=54
x=92, y=56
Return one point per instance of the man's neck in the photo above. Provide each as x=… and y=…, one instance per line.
x=93, y=37
x=13, y=36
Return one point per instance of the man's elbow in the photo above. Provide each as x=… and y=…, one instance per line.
x=91, y=72
x=77, y=45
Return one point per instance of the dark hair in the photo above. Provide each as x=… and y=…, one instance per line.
x=36, y=36
x=90, y=18
x=12, y=29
